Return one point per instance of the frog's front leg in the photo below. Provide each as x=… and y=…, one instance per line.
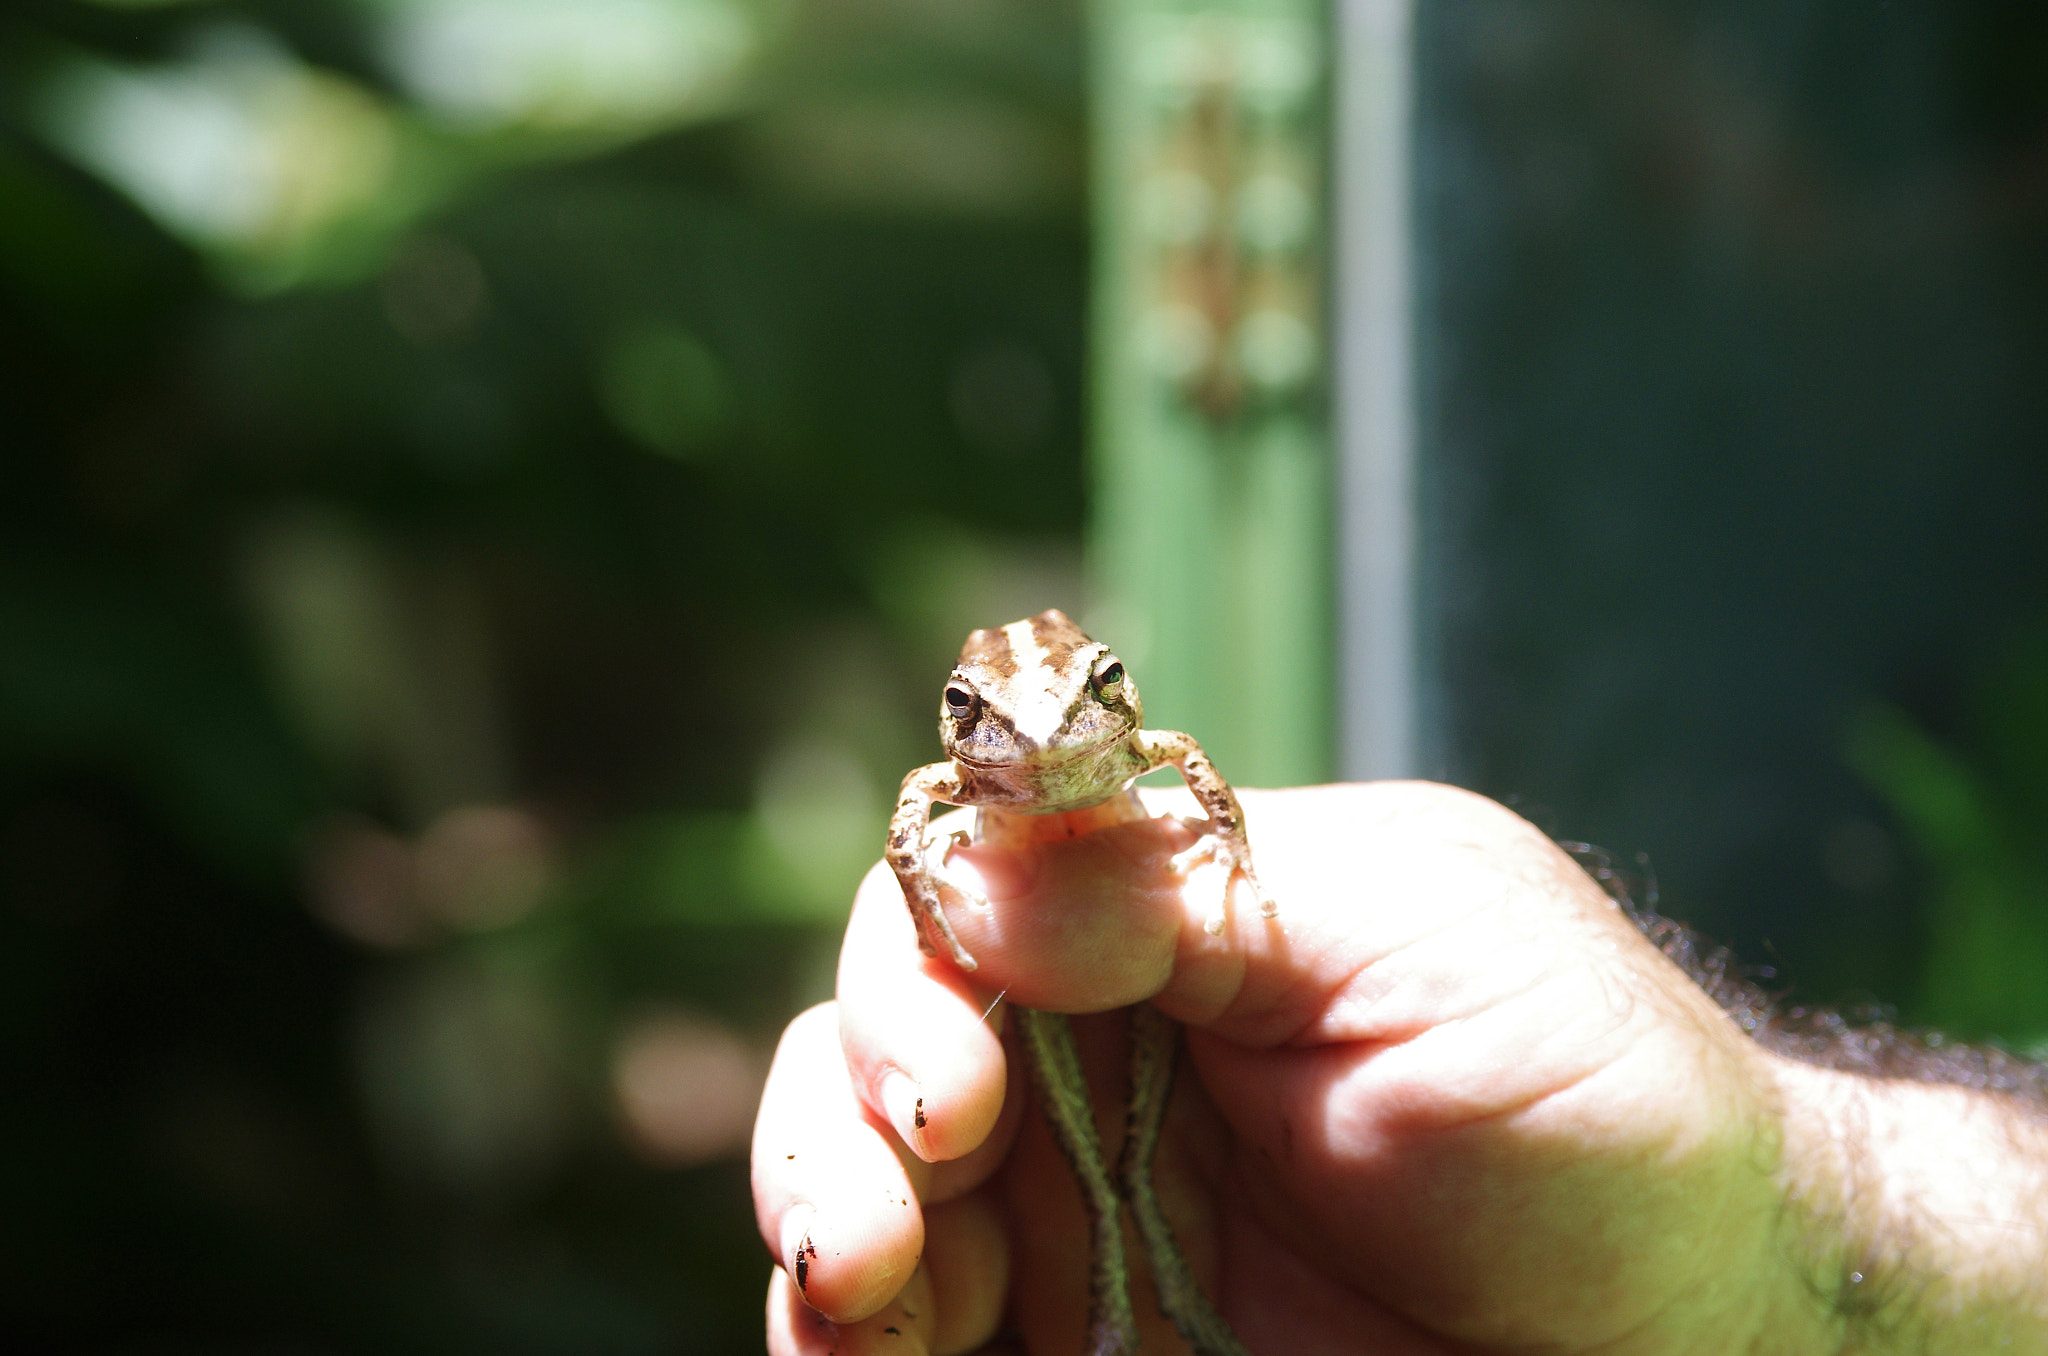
x=910, y=859
x=1224, y=841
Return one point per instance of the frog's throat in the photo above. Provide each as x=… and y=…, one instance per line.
x=1020, y=829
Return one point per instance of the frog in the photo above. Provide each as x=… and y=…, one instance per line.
x=1044, y=736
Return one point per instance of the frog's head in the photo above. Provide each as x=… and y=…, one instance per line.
x=1034, y=694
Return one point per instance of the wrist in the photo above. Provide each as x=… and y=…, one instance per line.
x=1916, y=1216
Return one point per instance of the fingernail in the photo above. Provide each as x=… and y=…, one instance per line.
x=798, y=1251
x=904, y=1105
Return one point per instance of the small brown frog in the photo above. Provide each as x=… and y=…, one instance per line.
x=1042, y=732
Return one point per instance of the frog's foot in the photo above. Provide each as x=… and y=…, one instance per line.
x=935, y=933
x=1235, y=857
x=925, y=883
x=936, y=878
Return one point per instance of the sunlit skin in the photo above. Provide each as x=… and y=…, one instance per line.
x=1456, y=1103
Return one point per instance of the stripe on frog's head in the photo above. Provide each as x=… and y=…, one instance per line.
x=1056, y=637
x=990, y=648
x=1043, y=647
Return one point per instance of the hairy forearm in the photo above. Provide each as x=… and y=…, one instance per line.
x=1914, y=1173
x=1918, y=1213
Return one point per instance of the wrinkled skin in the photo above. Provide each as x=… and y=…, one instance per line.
x=1450, y=1101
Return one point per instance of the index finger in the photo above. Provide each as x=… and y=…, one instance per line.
x=1097, y=924
x=921, y=1037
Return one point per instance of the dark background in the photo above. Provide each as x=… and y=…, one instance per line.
x=1736, y=323
x=460, y=624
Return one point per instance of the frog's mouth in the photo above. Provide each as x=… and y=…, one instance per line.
x=1024, y=756
x=1021, y=760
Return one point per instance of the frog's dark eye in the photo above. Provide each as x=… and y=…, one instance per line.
x=1109, y=681
x=959, y=701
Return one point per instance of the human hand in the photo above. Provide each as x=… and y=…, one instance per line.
x=1450, y=1100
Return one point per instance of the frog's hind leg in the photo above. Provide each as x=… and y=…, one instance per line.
x=1056, y=1068
x=1155, y=1041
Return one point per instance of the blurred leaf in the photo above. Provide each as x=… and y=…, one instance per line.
x=1941, y=801
x=1976, y=822
x=288, y=174
x=419, y=805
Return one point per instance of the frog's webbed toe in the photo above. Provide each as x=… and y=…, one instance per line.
x=1206, y=850
x=1235, y=857
x=933, y=923
x=1269, y=907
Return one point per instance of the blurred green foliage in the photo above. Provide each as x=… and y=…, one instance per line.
x=1976, y=815
x=492, y=488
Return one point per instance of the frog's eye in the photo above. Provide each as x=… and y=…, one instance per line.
x=1109, y=681
x=959, y=701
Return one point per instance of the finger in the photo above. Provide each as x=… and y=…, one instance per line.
x=1078, y=925
x=954, y=1303
x=955, y=1177
x=1402, y=906
x=967, y=1256
x=835, y=1204
x=919, y=1034
x=903, y=1327
x=1081, y=925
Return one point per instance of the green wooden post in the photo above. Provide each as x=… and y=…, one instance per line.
x=1210, y=546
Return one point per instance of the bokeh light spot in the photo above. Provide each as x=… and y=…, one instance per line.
x=685, y=1088
x=664, y=388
